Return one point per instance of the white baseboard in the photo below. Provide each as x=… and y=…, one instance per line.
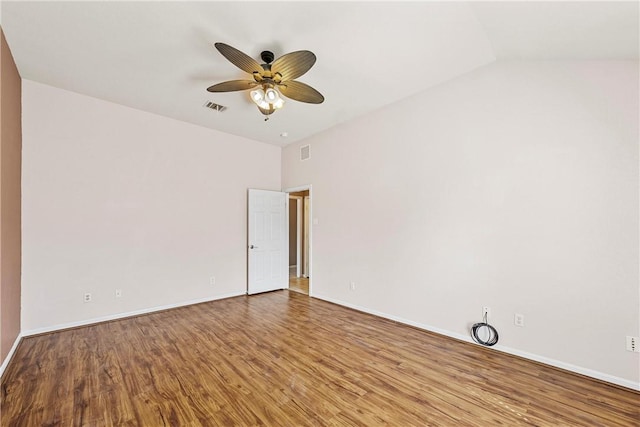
x=93, y=321
x=537, y=358
x=7, y=359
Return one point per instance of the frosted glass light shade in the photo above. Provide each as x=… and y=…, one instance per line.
x=267, y=99
x=257, y=95
x=271, y=95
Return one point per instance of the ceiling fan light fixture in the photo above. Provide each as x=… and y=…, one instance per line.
x=278, y=103
x=273, y=98
x=271, y=95
x=267, y=98
x=257, y=95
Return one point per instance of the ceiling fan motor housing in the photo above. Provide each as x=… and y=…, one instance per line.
x=267, y=56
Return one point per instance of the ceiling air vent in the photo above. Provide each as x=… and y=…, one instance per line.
x=305, y=152
x=217, y=107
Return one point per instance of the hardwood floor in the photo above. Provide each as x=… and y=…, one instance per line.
x=299, y=284
x=284, y=359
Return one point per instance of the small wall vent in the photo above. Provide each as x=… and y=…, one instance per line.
x=305, y=152
x=216, y=107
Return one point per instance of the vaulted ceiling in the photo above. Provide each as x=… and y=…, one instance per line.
x=159, y=56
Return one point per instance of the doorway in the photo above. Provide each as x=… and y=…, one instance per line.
x=299, y=219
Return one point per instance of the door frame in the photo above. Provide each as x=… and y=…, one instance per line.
x=311, y=224
x=299, y=231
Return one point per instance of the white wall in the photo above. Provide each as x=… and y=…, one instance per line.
x=514, y=187
x=116, y=198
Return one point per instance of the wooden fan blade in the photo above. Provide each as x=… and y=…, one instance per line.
x=239, y=59
x=232, y=85
x=300, y=92
x=294, y=64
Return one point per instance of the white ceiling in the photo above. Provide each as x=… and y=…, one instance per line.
x=159, y=56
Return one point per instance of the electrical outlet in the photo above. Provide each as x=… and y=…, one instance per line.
x=118, y=293
x=87, y=297
x=352, y=286
x=486, y=312
x=518, y=319
x=212, y=280
x=633, y=344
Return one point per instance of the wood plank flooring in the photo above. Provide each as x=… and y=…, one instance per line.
x=299, y=284
x=284, y=359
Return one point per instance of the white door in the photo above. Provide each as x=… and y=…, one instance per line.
x=268, y=245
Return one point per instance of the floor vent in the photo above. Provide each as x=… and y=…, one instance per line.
x=217, y=107
x=305, y=152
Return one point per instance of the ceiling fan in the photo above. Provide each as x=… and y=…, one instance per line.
x=271, y=80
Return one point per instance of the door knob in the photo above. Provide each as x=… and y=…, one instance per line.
x=253, y=247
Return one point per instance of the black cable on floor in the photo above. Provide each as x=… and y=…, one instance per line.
x=492, y=332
